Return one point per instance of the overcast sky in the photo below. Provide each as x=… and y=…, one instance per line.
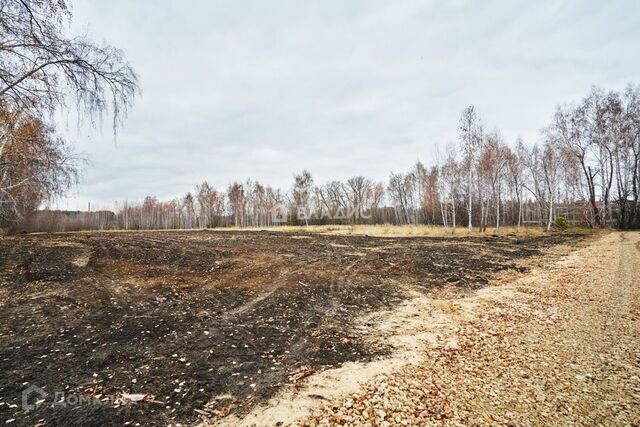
x=263, y=89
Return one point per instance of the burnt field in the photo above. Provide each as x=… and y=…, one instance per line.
x=203, y=324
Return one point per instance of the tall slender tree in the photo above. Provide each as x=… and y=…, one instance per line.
x=470, y=135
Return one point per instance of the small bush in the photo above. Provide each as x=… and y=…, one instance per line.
x=561, y=223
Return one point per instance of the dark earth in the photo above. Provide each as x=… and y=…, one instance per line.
x=201, y=324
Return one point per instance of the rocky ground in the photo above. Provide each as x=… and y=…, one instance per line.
x=559, y=346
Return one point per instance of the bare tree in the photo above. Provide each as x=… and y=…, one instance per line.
x=451, y=179
x=275, y=201
x=550, y=166
x=534, y=181
x=237, y=201
x=302, y=188
x=470, y=134
x=358, y=190
x=401, y=190
x=210, y=203
x=494, y=161
x=188, y=211
x=515, y=168
x=570, y=130
x=42, y=70
x=632, y=143
x=603, y=121
x=40, y=67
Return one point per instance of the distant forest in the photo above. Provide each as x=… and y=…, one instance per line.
x=585, y=172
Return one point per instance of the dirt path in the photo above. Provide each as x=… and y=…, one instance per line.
x=559, y=346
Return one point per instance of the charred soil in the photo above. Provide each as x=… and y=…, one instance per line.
x=208, y=323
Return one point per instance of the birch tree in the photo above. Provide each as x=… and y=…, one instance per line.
x=569, y=130
x=450, y=173
x=358, y=189
x=237, y=203
x=470, y=134
x=42, y=68
x=494, y=159
x=210, y=204
x=302, y=188
x=514, y=166
x=632, y=143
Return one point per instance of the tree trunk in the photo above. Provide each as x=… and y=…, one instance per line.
x=592, y=192
x=498, y=213
x=453, y=216
x=443, y=211
x=470, y=177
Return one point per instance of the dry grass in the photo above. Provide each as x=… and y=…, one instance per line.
x=378, y=230
x=388, y=230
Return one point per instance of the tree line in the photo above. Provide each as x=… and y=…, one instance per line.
x=585, y=170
